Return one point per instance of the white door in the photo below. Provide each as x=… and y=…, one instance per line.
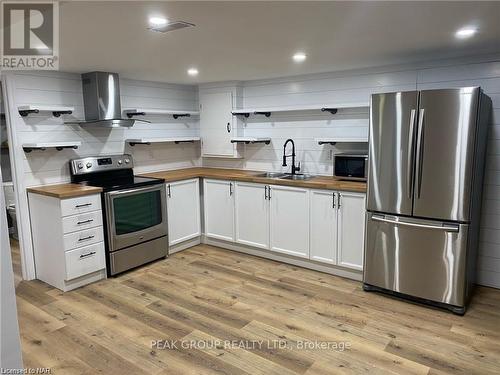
x=219, y=209
x=289, y=209
x=351, y=229
x=216, y=125
x=183, y=210
x=323, y=226
x=252, y=214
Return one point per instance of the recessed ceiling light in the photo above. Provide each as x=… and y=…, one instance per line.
x=193, y=72
x=466, y=32
x=158, y=21
x=299, y=57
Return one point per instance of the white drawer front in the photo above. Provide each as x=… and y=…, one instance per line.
x=82, y=221
x=85, y=260
x=80, y=205
x=82, y=238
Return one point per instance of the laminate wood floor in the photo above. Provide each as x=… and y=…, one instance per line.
x=224, y=303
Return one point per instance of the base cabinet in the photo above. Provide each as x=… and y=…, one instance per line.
x=251, y=214
x=323, y=226
x=183, y=210
x=289, y=219
x=338, y=228
x=218, y=197
x=351, y=229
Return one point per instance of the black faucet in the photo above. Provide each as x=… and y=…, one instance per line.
x=294, y=167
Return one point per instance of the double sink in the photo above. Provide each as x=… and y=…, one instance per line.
x=285, y=176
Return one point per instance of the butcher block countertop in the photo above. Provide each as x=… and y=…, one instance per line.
x=317, y=182
x=63, y=191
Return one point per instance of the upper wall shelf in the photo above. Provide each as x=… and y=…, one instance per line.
x=334, y=141
x=148, y=141
x=25, y=110
x=248, y=140
x=28, y=147
x=131, y=112
x=332, y=108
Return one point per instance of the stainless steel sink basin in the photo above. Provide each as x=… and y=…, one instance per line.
x=271, y=175
x=300, y=177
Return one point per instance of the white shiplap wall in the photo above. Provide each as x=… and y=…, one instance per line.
x=356, y=86
x=51, y=166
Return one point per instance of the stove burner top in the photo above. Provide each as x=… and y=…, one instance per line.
x=119, y=183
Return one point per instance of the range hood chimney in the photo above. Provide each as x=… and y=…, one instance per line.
x=101, y=99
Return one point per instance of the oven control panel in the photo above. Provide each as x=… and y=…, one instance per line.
x=101, y=163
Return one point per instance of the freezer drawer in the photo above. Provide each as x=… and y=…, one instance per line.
x=420, y=258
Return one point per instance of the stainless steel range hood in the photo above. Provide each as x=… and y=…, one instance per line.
x=101, y=98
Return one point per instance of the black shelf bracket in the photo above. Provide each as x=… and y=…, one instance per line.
x=326, y=143
x=177, y=142
x=267, y=114
x=59, y=113
x=246, y=114
x=138, y=143
x=26, y=112
x=331, y=110
x=177, y=115
x=132, y=114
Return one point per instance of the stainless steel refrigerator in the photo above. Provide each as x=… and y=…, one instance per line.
x=426, y=163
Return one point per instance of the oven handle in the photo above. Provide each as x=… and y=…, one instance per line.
x=135, y=190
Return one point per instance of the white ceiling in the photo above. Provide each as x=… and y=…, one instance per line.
x=254, y=40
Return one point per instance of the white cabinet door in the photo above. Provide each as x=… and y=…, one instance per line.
x=252, y=214
x=351, y=229
x=219, y=209
x=216, y=125
x=323, y=226
x=183, y=209
x=289, y=209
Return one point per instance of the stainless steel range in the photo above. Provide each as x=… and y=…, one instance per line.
x=134, y=210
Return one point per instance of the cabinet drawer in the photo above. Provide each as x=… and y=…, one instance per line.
x=83, y=221
x=85, y=260
x=82, y=238
x=80, y=205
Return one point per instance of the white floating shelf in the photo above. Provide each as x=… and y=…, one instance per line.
x=248, y=140
x=148, y=141
x=28, y=147
x=332, y=108
x=333, y=141
x=25, y=110
x=131, y=112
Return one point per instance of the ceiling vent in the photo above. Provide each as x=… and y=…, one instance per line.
x=171, y=26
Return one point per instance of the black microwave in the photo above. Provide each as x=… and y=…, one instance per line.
x=351, y=167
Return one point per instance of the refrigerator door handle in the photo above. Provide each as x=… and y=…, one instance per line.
x=445, y=227
x=410, y=158
x=420, y=151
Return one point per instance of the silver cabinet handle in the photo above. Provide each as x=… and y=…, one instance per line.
x=446, y=227
x=420, y=151
x=230, y=188
x=87, y=255
x=410, y=158
x=83, y=205
x=333, y=200
x=86, y=238
x=84, y=222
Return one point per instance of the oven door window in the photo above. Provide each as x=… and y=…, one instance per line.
x=137, y=212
